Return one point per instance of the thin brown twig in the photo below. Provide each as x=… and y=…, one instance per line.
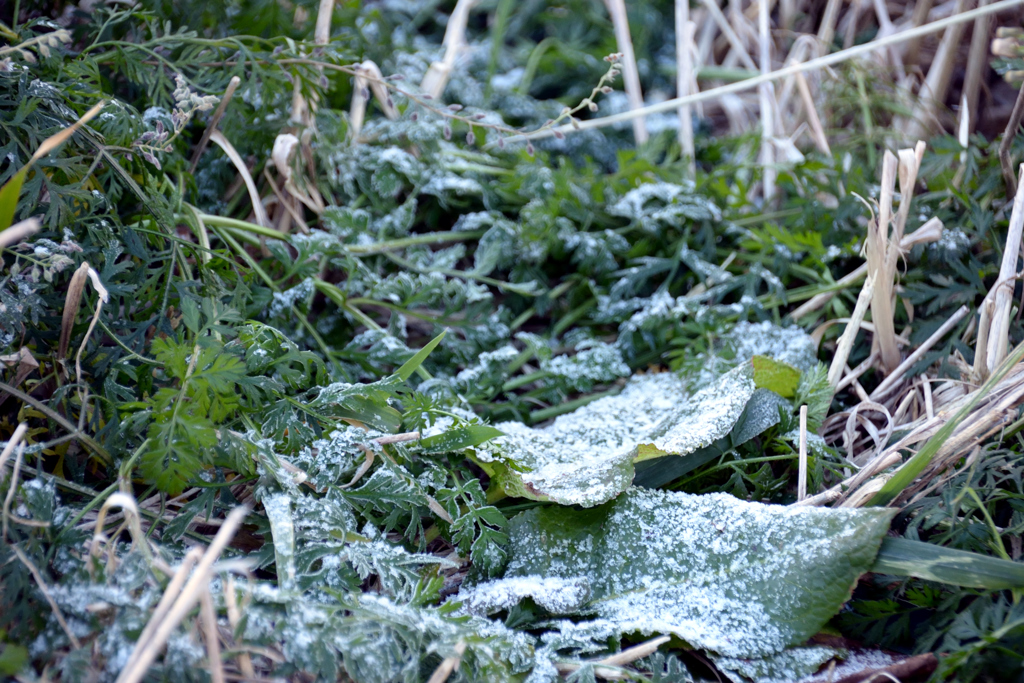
x=46, y=593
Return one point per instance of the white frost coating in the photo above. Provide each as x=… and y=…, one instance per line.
x=709, y=415
x=556, y=595
x=786, y=344
x=863, y=660
x=595, y=361
x=789, y=666
x=586, y=457
x=743, y=580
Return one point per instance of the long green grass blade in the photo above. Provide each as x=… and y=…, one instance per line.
x=903, y=557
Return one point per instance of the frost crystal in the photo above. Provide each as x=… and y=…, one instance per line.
x=558, y=596
x=740, y=579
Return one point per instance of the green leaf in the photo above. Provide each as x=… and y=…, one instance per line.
x=366, y=403
x=761, y=413
x=13, y=659
x=739, y=579
x=777, y=376
x=459, y=438
x=699, y=421
x=411, y=365
x=586, y=457
x=904, y=557
x=9, y=195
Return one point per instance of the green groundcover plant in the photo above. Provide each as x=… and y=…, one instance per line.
x=482, y=406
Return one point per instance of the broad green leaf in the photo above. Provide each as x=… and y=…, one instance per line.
x=699, y=421
x=9, y=195
x=777, y=376
x=413, y=364
x=458, y=438
x=761, y=413
x=366, y=403
x=736, y=578
x=586, y=457
x=904, y=557
x=282, y=527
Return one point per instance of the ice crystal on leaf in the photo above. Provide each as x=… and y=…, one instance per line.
x=739, y=579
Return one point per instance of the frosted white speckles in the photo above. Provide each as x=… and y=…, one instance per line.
x=586, y=457
x=558, y=596
x=788, y=666
x=741, y=579
x=709, y=415
x=786, y=344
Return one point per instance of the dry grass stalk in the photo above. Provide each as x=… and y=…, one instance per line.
x=436, y=78
x=15, y=475
x=610, y=668
x=234, y=618
x=981, y=347
x=999, y=333
x=72, y=302
x=801, y=486
x=54, y=141
x=877, y=249
x=19, y=232
x=146, y=650
x=102, y=297
x=779, y=74
x=208, y=615
x=977, y=65
x=630, y=73
x=368, y=79
x=896, y=375
x=811, y=112
x=929, y=232
x=218, y=114
x=1012, y=126
x=727, y=30
x=766, y=97
x=849, y=335
x=827, y=29
x=243, y=171
x=684, y=78
x=16, y=437
x=23, y=558
x=993, y=412
x=448, y=665
x=936, y=84
x=918, y=18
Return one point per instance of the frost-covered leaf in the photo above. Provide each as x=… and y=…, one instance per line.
x=706, y=417
x=458, y=438
x=788, y=666
x=556, y=595
x=586, y=457
x=739, y=579
x=760, y=414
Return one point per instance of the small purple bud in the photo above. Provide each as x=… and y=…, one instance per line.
x=447, y=132
x=470, y=138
